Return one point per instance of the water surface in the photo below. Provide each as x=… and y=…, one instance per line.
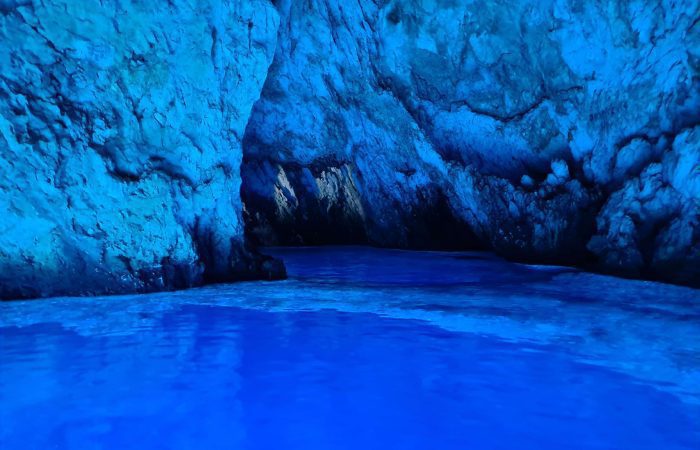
x=360, y=348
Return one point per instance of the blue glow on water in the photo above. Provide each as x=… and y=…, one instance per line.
x=362, y=349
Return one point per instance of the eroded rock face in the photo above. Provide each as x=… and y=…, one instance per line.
x=552, y=131
x=120, y=142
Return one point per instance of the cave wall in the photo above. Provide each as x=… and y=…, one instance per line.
x=549, y=131
x=120, y=142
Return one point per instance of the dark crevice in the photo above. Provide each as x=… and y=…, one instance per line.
x=515, y=116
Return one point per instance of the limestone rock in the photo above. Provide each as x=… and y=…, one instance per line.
x=120, y=142
x=535, y=127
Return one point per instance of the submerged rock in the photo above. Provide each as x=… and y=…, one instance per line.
x=555, y=131
x=120, y=143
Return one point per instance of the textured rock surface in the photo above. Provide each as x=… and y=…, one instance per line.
x=120, y=133
x=551, y=131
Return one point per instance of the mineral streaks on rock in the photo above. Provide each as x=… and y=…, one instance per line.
x=554, y=131
x=120, y=142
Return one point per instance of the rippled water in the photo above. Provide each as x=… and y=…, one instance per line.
x=360, y=348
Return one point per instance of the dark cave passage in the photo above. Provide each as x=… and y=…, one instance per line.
x=289, y=205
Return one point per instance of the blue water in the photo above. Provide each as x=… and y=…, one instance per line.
x=360, y=348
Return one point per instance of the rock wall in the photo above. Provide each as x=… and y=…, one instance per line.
x=551, y=131
x=556, y=131
x=120, y=142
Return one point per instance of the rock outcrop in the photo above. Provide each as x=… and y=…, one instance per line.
x=556, y=131
x=550, y=131
x=120, y=142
